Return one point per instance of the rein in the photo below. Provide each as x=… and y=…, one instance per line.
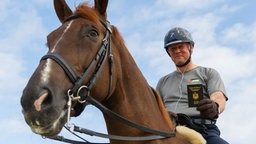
x=72, y=127
x=83, y=95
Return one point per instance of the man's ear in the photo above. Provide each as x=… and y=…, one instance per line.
x=166, y=49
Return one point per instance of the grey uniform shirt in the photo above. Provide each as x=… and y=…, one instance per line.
x=173, y=88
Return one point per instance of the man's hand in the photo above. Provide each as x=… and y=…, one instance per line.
x=208, y=109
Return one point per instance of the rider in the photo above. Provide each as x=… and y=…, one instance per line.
x=195, y=91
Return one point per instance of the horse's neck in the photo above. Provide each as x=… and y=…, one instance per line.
x=134, y=100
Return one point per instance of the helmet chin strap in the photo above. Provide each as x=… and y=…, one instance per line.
x=182, y=65
x=189, y=59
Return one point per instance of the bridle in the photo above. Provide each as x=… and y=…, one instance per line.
x=81, y=93
x=96, y=62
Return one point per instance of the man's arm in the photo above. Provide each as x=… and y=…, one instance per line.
x=219, y=98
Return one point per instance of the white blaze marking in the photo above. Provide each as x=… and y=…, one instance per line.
x=46, y=71
x=47, y=67
x=68, y=26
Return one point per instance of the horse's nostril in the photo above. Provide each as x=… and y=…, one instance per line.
x=48, y=99
x=40, y=100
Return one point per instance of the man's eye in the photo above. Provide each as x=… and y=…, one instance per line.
x=173, y=49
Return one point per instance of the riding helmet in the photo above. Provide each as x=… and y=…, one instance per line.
x=177, y=35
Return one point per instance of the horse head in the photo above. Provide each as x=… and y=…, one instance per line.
x=77, y=52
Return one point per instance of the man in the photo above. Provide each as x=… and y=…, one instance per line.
x=195, y=91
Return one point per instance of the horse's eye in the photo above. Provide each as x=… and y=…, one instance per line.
x=93, y=33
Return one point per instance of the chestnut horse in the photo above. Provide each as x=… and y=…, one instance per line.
x=88, y=57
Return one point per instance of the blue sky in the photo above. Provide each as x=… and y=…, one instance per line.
x=225, y=39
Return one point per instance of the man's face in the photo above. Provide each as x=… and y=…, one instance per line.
x=179, y=52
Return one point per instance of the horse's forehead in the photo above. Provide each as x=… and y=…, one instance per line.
x=68, y=29
x=83, y=12
x=58, y=35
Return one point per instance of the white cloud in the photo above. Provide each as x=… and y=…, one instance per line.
x=13, y=126
x=241, y=35
x=10, y=75
x=232, y=64
x=188, y=5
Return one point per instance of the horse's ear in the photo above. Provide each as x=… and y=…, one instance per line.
x=101, y=7
x=62, y=9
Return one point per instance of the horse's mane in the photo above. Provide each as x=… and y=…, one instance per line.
x=118, y=40
x=87, y=12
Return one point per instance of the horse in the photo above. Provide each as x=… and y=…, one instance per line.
x=87, y=59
